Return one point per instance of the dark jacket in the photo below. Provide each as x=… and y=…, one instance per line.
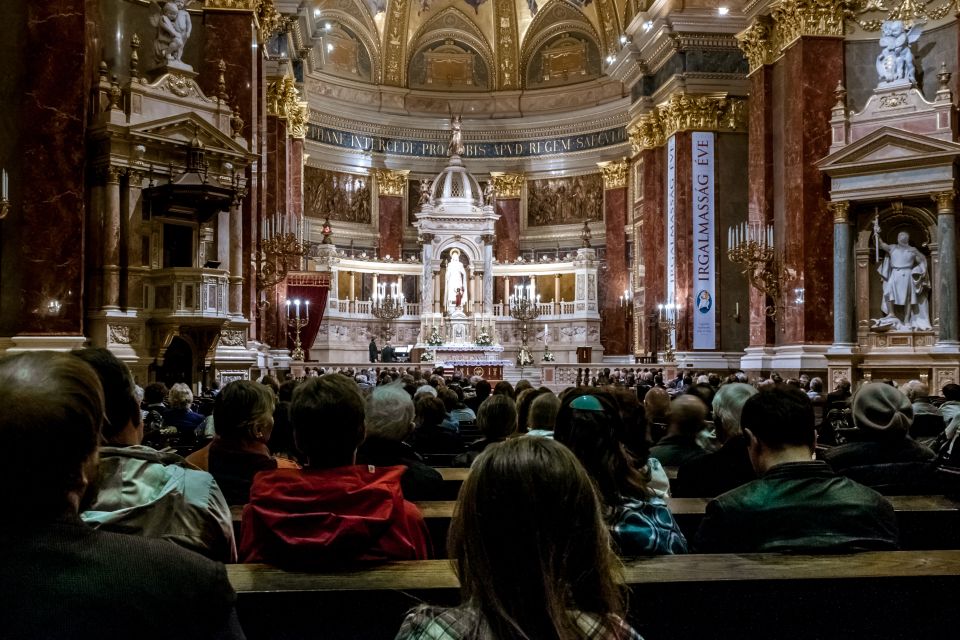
x=715, y=473
x=899, y=466
x=64, y=580
x=233, y=468
x=188, y=423
x=373, y=351
x=798, y=506
x=673, y=451
x=439, y=439
x=419, y=481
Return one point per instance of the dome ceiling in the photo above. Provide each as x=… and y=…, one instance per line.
x=468, y=45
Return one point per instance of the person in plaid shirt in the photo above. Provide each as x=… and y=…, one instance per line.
x=532, y=552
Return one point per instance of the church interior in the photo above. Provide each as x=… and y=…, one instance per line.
x=704, y=185
x=470, y=193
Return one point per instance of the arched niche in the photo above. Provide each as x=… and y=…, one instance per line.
x=920, y=222
x=566, y=58
x=450, y=45
x=351, y=25
x=559, y=21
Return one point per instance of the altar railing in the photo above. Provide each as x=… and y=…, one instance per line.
x=412, y=309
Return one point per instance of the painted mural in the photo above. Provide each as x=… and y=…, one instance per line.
x=344, y=197
x=564, y=200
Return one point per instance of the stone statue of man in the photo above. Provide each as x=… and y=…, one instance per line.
x=906, y=285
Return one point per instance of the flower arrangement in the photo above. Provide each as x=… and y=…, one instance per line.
x=434, y=340
x=426, y=356
x=483, y=338
x=548, y=356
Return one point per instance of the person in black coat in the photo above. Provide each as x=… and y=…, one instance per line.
x=389, y=421
x=374, y=352
x=59, y=578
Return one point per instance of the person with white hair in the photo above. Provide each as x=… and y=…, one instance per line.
x=729, y=467
x=188, y=422
x=389, y=422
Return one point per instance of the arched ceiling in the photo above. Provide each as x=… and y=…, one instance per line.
x=469, y=45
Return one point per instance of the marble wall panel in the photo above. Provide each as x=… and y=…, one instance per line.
x=613, y=325
x=761, y=189
x=731, y=202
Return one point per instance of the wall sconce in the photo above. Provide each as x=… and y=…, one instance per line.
x=5, y=195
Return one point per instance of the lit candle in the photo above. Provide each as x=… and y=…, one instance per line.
x=306, y=312
x=288, y=308
x=296, y=303
x=6, y=185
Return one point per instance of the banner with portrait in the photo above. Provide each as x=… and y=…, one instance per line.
x=704, y=247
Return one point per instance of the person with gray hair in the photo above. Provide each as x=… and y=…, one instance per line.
x=729, y=467
x=188, y=422
x=389, y=422
x=543, y=415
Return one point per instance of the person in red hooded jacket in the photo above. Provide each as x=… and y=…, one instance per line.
x=333, y=511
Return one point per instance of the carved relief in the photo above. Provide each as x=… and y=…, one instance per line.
x=606, y=13
x=508, y=43
x=233, y=338
x=122, y=334
x=450, y=65
x=394, y=49
x=564, y=200
x=343, y=197
x=565, y=59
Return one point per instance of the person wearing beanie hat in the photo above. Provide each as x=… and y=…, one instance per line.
x=882, y=454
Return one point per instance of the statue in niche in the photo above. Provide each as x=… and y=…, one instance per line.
x=174, y=27
x=489, y=194
x=906, y=285
x=455, y=146
x=895, y=61
x=455, y=282
x=424, y=192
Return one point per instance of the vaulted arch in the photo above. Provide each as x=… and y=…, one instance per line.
x=356, y=17
x=559, y=20
x=451, y=36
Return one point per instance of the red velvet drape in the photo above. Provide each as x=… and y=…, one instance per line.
x=317, y=295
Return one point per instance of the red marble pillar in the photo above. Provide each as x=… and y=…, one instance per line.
x=812, y=67
x=295, y=178
x=42, y=281
x=613, y=318
x=760, y=189
x=273, y=329
x=391, y=187
x=653, y=240
x=507, y=229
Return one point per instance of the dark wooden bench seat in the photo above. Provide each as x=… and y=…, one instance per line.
x=899, y=594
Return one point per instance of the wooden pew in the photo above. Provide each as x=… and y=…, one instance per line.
x=899, y=594
x=926, y=522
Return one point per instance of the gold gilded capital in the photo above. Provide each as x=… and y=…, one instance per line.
x=944, y=200
x=391, y=183
x=507, y=185
x=798, y=18
x=756, y=42
x=283, y=101
x=841, y=211
x=112, y=174
x=687, y=112
x=269, y=19
x=230, y=5
x=615, y=173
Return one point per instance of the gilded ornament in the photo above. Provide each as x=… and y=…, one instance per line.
x=122, y=334
x=756, y=42
x=798, y=18
x=841, y=212
x=391, y=183
x=507, y=41
x=610, y=28
x=910, y=12
x=283, y=101
x=396, y=42
x=230, y=5
x=507, y=185
x=687, y=112
x=614, y=173
x=269, y=19
x=944, y=200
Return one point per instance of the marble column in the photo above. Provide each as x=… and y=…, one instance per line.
x=391, y=187
x=353, y=289
x=437, y=307
x=556, y=293
x=803, y=83
x=760, y=190
x=488, y=275
x=236, y=258
x=613, y=325
x=426, y=280
x=508, y=188
x=111, y=239
x=947, y=239
x=295, y=180
x=843, y=272
x=653, y=238
x=134, y=253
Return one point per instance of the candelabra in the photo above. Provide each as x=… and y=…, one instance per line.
x=524, y=307
x=751, y=246
x=667, y=322
x=626, y=303
x=297, y=322
x=387, y=306
x=279, y=254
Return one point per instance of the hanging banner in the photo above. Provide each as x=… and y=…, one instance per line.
x=704, y=247
x=671, y=228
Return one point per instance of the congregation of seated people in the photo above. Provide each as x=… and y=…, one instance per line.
x=135, y=487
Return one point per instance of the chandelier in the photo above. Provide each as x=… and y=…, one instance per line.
x=280, y=253
x=751, y=246
x=524, y=307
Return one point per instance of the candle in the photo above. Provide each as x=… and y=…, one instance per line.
x=288, y=308
x=296, y=303
x=6, y=185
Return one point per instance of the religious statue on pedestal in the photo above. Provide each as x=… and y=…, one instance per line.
x=455, y=146
x=906, y=285
x=895, y=61
x=174, y=26
x=455, y=289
